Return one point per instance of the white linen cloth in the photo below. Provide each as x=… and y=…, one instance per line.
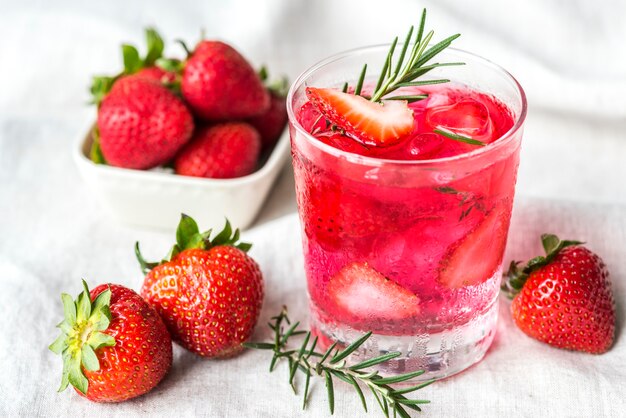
x=568, y=56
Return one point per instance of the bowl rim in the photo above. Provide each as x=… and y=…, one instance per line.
x=274, y=162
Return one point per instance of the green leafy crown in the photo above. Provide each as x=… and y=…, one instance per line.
x=81, y=335
x=101, y=85
x=188, y=236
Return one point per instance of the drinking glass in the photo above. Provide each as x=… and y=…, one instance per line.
x=379, y=235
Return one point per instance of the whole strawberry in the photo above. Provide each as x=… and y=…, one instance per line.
x=564, y=299
x=225, y=150
x=114, y=345
x=208, y=291
x=218, y=84
x=141, y=124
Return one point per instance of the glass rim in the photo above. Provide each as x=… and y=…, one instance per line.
x=502, y=141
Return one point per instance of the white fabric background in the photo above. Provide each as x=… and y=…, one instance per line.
x=567, y=54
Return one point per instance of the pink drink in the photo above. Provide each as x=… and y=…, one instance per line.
x=407, y=241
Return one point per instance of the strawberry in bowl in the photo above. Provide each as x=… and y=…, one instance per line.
x=178, y=135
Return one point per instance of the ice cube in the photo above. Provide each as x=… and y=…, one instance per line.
x=465, y=117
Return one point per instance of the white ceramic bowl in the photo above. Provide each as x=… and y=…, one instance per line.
x=156, y=199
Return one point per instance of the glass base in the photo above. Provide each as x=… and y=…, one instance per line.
x=440, y=354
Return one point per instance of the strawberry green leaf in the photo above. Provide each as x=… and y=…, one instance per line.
x=95, y=152
x=170, y=64
x=66, y=372
x=99, y=339
x=244, y=246
x=174, y=251
x=143, y=264
x=81, y=336
x=58, y=345
x=550, y=242
x=83, y=307
x=102, y=300
x=65, y=326
x=132, y=62
x=100, y=86
x=188, y=237
x=184, y=45
x=196, y=241
x=69, y=308
x=223, y=237
x=187, y=228
x=155, y=47
x=76, y=376
x=89, y=358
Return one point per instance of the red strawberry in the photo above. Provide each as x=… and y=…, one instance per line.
x=157, y=74
x=564, y=299
x=208, y=292
x=364, y=298
x=218, y=83
x=226, y=150
x=114, y=345
x=141, y=124
x=271, y=124
x=476, y=257
x=375, y=124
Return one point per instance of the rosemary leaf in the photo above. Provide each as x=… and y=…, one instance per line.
x=331, y=392
x=381, y=78
x=437, y=48
x=306, y=389
x=413, y=388
x=330, y=349
x=423, y=82
x=409, y=98
x=289, y=332
x=399, y=378
x=358, y=390
x=376, y=360
x=259, y=346
x=460, y=138
x=405, y=45
x=350, y=349
x=359, y=84
x=412, y=401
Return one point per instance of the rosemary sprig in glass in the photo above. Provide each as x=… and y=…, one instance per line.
x=408, y=67
x=332, y=364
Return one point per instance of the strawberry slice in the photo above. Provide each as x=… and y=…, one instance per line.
x=364, y=298
x=476, y=257
x=374, y=124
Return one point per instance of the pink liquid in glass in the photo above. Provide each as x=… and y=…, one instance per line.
x=399, y=252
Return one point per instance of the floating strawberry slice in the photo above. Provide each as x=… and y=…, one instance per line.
x=475, y=257
x=364, y=298
x=375, y=124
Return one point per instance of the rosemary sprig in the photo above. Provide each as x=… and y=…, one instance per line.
x=408, y=67
x=457, y=137
x=332, y=364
